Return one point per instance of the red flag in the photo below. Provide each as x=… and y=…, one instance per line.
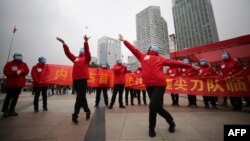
x=14, y=30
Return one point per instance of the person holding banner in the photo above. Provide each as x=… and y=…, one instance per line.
x=230, y=67
x=189, y=72
x=119, y=82
x=80, y=75
x=172, y=72
x=155, y=81
x=102, y=89
x=15, y=71
x=36, y=74
x=138, y=91
x=204, y=71
x=128, y=89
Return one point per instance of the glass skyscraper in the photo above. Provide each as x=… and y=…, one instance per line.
x=194, y=23
x=151, y=28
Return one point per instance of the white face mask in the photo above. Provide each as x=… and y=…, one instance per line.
x=81, y=51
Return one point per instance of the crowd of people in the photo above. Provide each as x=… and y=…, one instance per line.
x=151, y=71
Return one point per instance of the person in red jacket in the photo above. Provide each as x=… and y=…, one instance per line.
x=15, y=71
x=229, y=67
x=172, y=72
x=205, y=71
x=102, y=89
x=128, y=89
x=137, y=92
x=36, y=74
x=80, y=75
x=119, y=82
x=189, y=72
x=154, y=79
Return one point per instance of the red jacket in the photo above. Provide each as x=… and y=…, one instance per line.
x=36, y=74
x=81, y=62
x=206, y=70
x=188, y=72
x=119, y=73
x=173, y=72
x=152, y=66
x=230, y=66
x=13, y=79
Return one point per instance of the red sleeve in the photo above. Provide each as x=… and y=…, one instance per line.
x=139, y=55
x=173, y=63
x=87, y=53
x=34, y=74
x=25, y=69
x=68, y=53
x=8, y=71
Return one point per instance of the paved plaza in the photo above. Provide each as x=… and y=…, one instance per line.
x=130, y=124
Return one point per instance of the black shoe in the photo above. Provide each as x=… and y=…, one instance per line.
x=206, y=106
x=13, y=113
x=74, y=119
x=145, y=103
x=171, y=128
x=126, y=104
x=122, y=106
x=132, y=104
x=45, y=109
x=152, y=133
x=36, y=110
x=88, y=115
x=110, y=107
x=5, y=115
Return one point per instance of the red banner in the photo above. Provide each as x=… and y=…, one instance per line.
x=211, y=86
x=237, y=85
x=57, y=74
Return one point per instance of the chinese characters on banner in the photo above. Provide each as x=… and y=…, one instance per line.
x=237, y=85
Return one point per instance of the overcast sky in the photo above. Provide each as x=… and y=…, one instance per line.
x=39, y=22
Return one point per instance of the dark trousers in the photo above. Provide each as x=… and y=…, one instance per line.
x=156, y=94
x=80, y=86
x=138, y=93
x=236, y=102
x=117, y=88
x=10, y=100
x=211, y=99
x=175, y=99
x=37, y=91
x=98, y=95
x=127, y=91
x=192, y=100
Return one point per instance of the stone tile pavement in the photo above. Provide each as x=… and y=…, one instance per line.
x=130, y=124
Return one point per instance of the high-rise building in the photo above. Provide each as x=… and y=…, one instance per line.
x=194, y=23
x=172, y=43
x=151, y=28
x=109, y=50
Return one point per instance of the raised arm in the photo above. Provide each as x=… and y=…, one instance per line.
x=139, y=55
x=86, y=49
x=66, y=50
x=176, y=64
